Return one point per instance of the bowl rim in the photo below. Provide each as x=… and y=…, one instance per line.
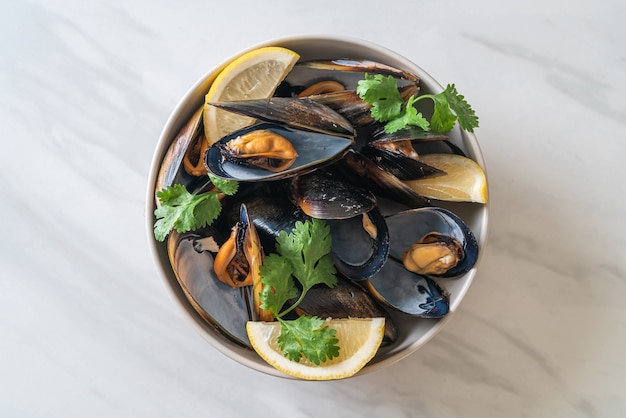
x=179, y=116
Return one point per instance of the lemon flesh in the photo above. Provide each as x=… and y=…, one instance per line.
x=253, y=75
x=464, y=181
x=359, y=340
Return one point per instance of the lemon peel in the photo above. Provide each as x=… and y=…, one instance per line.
x=253, y=75
x=359, y=340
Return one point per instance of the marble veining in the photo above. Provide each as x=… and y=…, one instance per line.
x=89, y=328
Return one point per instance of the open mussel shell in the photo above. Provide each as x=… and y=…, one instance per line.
x=171, y=170
x=345, y=300
x=301, y=113
x=314, y=150
x=325, y=195
x=222, y=306
x=408, y=292
x=360, y=244
x=346, y=71
x=405, y=228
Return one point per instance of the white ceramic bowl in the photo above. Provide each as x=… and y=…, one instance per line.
x=414, y=333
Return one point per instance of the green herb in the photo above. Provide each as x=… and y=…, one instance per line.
x=388, y=106
x=308, y=336
x=184, y=211
x=303, y=254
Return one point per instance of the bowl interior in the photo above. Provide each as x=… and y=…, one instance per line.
x=414, y=332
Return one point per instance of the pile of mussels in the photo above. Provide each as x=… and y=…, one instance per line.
x=315, y=151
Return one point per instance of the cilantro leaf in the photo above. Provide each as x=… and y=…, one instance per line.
x=410, y=116
x=443, y=119
x=228, y=187
x=450, y=106
x=185, y=211
x=308, y=337
x=466, y=115
x=382, y=93
x=304, y=253
x=307, y=248
x=387, y=106
x=278, y=286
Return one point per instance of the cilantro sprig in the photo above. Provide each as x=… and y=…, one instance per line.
x=184, y=211
x=389, y=107
x=303, y=255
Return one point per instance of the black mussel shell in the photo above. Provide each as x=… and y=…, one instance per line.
x=360, y=244
x=361, y=170
x=220, y=305
x=325, y=195
x=406, y=228
x=408, y=292
x=400, y=165
x=345, y=300
x=299, y=113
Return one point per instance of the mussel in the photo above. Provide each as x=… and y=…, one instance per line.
x=430, y=241
x=361, y=170
x=299, y=113
x=396, y=154
x=238, y=262
x=313, y=151
x=325, y=195
x=433, y=237
x=261, y=148
x=172, y=170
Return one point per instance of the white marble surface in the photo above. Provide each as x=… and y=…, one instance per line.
x=88, y=328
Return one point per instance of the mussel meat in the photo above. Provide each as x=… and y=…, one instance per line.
x=238, y=262
x=444, y=243
x=260, y=148
x=434, y=253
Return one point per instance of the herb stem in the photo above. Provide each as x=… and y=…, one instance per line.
x=293, y=306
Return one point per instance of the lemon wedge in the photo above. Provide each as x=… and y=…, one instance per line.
x=464, y=181
x=253, y=75
x=359, y=340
